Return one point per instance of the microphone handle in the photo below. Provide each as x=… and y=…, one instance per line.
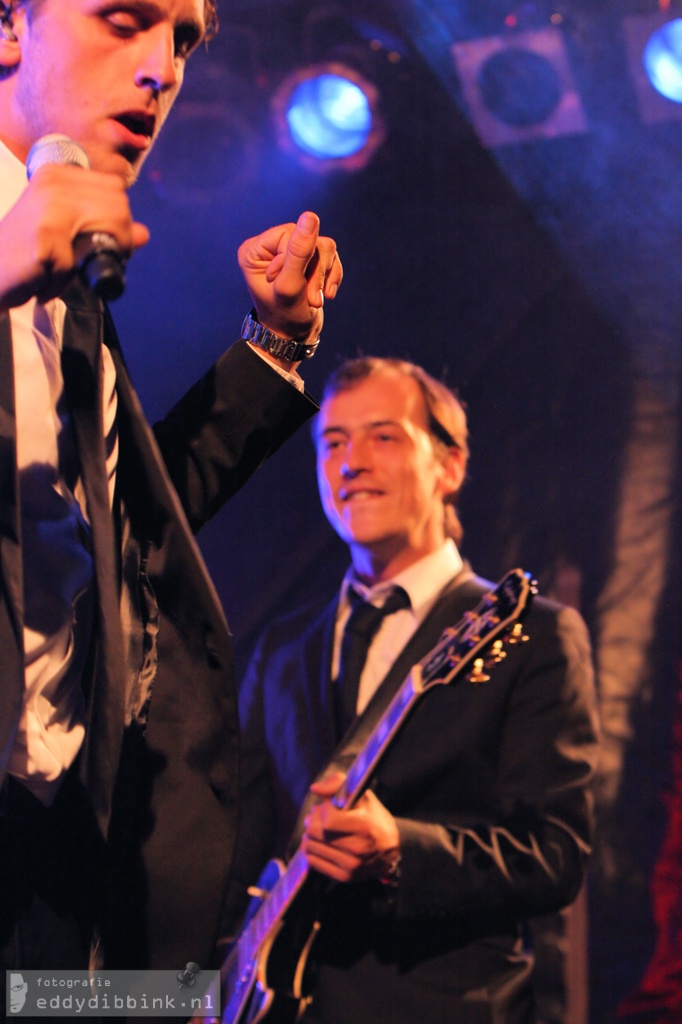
x=101, y=264
x=98, y=257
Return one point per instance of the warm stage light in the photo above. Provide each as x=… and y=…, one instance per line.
x=328, y=115
x=663, y=60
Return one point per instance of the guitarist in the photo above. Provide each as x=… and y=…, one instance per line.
x=479, y=813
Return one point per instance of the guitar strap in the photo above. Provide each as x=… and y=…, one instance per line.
x=470, y=588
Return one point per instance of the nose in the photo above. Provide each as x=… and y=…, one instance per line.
x=159, y=68
x=356, y=458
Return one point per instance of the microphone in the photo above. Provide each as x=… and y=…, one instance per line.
x=98, y=256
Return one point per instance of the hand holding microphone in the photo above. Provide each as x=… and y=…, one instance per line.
x=98, y=255
x=52, y=228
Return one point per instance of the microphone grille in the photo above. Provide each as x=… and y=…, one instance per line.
x=55, y=149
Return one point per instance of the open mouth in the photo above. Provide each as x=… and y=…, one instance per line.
x=137, y=124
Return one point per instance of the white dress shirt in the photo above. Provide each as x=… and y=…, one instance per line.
x=55, y=534
x=424, y=581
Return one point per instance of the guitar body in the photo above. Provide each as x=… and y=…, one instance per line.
x=268, y=983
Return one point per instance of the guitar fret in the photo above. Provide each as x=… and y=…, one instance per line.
x=278, y=899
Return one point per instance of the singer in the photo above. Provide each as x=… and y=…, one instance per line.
x=118, y=724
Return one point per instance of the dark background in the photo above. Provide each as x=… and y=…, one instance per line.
x=538, y=274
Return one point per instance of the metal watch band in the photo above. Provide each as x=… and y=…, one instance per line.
x=283, y=348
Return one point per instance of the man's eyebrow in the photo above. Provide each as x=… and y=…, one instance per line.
x=193, y=27
x=371, y=425
x=330, y=430
x=149, y=7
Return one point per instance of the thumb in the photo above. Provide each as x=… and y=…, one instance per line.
x=329, y=785
x=299, y=252
x=304, y=236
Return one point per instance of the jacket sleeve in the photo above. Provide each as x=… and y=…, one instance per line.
x=256, y=837
x=226, y=426
x=524, y=854
x=283, y=740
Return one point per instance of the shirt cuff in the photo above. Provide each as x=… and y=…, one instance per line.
x=293, y=378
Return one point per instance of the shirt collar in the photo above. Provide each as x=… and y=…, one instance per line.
x=423, y=580
x=13, y=176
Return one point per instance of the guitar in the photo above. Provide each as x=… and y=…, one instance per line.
x=468, y=650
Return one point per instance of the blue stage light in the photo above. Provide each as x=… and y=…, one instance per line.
x=329, y=116
x=662, y=60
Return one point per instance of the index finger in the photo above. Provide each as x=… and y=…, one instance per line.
x=325, y=272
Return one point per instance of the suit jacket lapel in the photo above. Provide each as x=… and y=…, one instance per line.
x=312, y=699
x=461, y=594
x=318, y=676
x=82, y=367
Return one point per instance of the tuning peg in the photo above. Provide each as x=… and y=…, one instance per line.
x=497, y=652
x=477, y=675
x=517, y=636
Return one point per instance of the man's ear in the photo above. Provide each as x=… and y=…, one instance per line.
x=454, y=470
x=10, y=48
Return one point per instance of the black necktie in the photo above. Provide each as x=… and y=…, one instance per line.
x=360, y=630
x=82, y=369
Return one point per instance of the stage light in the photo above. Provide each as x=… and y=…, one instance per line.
x=663, y=60
x=654, y=45
x=328, y=115
x=519, y=87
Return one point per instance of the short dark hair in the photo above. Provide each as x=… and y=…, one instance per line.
x=445, y=416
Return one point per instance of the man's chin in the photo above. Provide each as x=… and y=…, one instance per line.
x=128, y=166
x=125, y=164
x=133, y=163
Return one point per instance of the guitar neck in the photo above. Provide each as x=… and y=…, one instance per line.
x=451, y=658
x=280, y=898
x=379, y=740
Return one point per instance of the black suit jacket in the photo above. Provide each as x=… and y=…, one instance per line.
x=490, y=786
x=160, y=755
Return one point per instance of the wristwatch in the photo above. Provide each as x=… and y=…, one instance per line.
x=390, y=876
x=283, y=348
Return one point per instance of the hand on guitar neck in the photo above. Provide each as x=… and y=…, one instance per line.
x=351, y=844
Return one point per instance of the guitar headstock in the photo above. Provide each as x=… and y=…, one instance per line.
x=479, y=639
